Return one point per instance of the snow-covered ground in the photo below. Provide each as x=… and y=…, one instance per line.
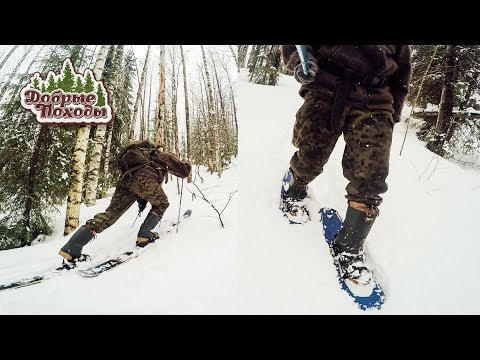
x=189, y=272
x=423, y=247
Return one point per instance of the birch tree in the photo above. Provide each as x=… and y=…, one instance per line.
x=212, y=116
x=139, y=95
x=142, y=117
x=174, y=97
x=187, y=112
x=100, y=134
x=78, y=160
x=148, y=111
x=206, y=124
x=160, y=126
x=232, y=97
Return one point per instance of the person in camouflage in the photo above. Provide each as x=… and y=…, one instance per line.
x=141, y=185
x=358, y=91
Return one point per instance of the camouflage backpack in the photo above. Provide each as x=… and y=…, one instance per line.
x=135, y=155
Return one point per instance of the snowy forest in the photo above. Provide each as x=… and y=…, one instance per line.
x=182, y=98
x=444, y=94
x=236, y=252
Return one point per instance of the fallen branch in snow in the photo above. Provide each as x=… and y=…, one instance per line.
x=203, y=197
x=197, y=172
x=436, y=164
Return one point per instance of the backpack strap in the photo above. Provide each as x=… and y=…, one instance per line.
x=131, y=170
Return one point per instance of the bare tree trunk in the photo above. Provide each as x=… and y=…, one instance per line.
x=84, y=49
x=222, y=119
x=208, y=126
x=8, y=55
x=35, y=57
x=446, y=103
x=99, y=139
x=253, y=59
x=235, y=57
x=242, y=55
x=213, y=117
x=168, y=130
x=160, y=128
x=222, y=104
x=446, y=100
x=78, y=162
x=148, y=110
x=174, y=103
x=187, y=113
x=14, y=72
x=142, y=122
x=139, y=94
x=154, y=119
x=93, y=55
x=232, y=96
x=118, y=68
x=106, y=179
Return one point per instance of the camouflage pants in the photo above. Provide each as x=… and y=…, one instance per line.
x=368, y=138
x=127, y=191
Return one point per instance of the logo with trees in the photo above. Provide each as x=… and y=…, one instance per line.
x=67, y=98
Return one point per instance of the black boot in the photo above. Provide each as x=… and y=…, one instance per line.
x=348, y=246
x=145, y=235
x=355, y=230
x=73, y=248
x=294, y=200
x=296, y=192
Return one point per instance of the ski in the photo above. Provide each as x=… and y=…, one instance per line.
x=31, y=280
x=365, y=296
x=22, y=283
x=110, y=264
x=89, y=272
x=124, y=257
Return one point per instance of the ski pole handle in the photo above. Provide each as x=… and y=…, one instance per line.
x=302, y=52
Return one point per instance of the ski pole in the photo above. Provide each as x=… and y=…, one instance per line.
x=179, y=206
x=136, y=218
x=302, y=52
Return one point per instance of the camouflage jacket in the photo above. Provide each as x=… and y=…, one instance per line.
x=392, y=61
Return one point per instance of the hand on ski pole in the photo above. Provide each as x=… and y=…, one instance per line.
x=142, y=204
x=306, y=70
x=300, y=76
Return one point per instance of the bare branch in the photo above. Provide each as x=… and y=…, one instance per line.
x=229, y=198
x=203, y=197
